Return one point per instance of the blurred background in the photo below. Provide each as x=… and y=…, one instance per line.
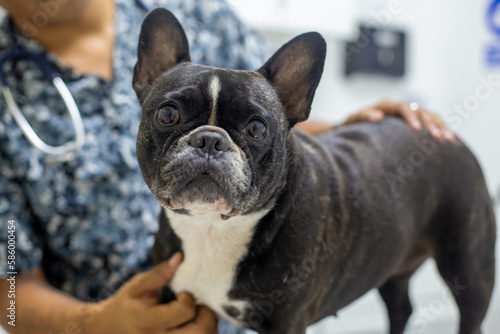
x=444, y=55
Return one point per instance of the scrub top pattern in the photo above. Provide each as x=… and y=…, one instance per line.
x=90, y=222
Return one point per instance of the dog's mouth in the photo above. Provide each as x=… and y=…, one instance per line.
x=187, y=180
x=206, y=191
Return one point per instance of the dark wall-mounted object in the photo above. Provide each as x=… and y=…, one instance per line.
x=376, y=51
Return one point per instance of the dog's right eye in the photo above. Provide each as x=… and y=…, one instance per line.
x=168, y=116
x=256, y=129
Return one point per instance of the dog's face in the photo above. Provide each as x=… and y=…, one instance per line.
x=215, y=140
x=206, y=136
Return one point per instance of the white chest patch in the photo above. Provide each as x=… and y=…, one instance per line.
x=212, y=250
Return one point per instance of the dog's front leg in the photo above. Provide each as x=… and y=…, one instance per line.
x=292, y=324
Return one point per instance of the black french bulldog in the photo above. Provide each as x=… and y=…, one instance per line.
x=279, y=229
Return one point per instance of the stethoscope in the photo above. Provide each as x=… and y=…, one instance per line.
x=62, y=152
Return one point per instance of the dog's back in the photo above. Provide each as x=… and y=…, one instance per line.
x=423, y=198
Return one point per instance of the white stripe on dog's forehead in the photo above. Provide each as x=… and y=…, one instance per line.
x=214, y=88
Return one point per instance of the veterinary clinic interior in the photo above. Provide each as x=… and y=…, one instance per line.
x=442, y=56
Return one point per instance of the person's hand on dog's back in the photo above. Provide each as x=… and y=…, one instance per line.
x=415, y=117
x=134, y=308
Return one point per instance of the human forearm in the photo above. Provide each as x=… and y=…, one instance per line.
x=314, y=128
x=41, y=308
x=133, y=309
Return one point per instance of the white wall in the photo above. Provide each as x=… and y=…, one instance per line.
x=445, y=62
x=445, y=65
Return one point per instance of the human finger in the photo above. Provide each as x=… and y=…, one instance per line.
x=155, y=278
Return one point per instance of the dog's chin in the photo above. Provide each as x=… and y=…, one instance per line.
x=199, y=207
x=198, y=197
x=220, y=206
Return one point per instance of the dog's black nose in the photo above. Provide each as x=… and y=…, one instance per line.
x=209, y=142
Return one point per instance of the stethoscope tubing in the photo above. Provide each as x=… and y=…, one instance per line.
x=62, y=152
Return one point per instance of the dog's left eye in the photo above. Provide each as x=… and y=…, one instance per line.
x=168, y=116
x=256, y=129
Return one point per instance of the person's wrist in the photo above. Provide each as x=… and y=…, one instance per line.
x=92, y=317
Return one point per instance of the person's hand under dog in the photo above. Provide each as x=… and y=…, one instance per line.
x=134, y=308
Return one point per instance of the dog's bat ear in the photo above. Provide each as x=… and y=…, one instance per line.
x=295, y=71
x=162, y=45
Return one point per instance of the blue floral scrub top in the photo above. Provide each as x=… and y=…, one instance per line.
x=90, y=222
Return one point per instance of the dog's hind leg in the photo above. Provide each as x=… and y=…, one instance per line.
x=466, y=260
x=394, y=292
